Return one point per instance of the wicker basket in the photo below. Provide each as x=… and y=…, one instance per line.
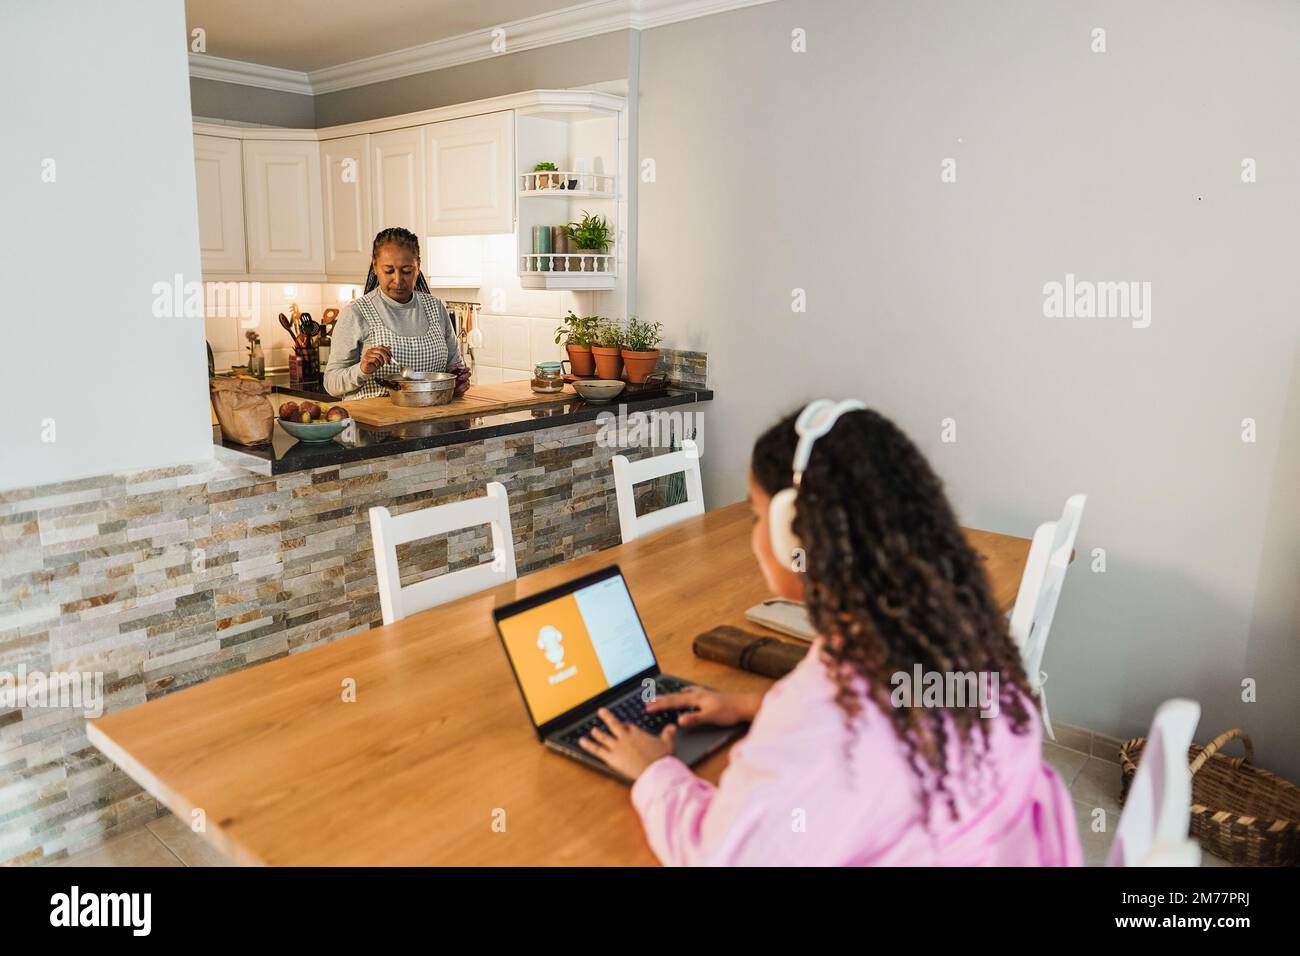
x=1245, y=815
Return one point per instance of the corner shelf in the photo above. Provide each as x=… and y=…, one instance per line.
x=567, y=270
x=588, y=185
x=585, y=142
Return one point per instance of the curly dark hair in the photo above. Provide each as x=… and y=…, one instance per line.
x=404, y=239
x=891, y=575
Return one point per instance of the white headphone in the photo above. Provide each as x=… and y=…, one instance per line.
x=813, y=422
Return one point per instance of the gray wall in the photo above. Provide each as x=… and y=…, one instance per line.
x=125, y=389
x=778, y=170
x=577, y=63
x=251, y=104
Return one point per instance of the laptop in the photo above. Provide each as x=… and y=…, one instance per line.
x=581, y=646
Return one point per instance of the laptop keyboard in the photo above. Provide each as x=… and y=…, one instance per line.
x=631, y=710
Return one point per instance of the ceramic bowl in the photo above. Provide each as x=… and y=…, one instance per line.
x=314, y=431
x=599, y=390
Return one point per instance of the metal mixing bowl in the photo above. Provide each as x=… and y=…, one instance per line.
x=434, y=388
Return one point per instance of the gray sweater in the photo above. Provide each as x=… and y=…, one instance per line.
x=343, y=373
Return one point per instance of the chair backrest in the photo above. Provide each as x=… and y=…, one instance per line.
x=1153, y=828
x=387, y=532
x=1040, y=586
x=628, y=474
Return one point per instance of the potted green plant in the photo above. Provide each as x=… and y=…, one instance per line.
x=607, y=348
x=577, y=334
x=546, y=182
x=641, y=348
x=592, y=235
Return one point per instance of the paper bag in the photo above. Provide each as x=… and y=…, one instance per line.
x=243, y=409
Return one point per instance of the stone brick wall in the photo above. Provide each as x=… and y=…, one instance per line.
x=166, y=578
x=688, y=369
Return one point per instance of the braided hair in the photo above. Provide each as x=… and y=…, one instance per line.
x=403, y=239
x=891, y=576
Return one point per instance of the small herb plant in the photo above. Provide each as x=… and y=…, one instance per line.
x=642, y=336
x=609, y=334
x=542, y=167
x=577, y=330
x=593, y=232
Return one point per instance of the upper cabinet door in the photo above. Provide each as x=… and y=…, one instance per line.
x=345, y=184
x=282, y=206
x=397, y=173
x=219, y=178
x=471, y=175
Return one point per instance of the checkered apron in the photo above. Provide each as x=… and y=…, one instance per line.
x=421, y=353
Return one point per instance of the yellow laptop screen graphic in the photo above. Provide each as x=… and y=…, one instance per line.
x=574, y=647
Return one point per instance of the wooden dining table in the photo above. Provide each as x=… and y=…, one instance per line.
x=435, y=762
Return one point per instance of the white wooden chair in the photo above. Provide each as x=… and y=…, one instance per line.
x=388, y=532
x=1153, y=828
x=1040, y=590
x=628, y=474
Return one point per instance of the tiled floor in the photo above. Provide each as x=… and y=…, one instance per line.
x=162, y=842
x=1087, y=763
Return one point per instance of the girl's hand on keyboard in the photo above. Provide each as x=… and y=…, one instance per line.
x=627, y=749
x=715, y=707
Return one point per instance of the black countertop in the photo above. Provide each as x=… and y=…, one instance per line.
x=280, y=384
x=286, y=454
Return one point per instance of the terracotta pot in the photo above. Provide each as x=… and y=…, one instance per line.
x=580, y=359
x=609, y=362
x=640, y=364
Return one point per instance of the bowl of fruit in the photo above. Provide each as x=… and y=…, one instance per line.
x=310, y=422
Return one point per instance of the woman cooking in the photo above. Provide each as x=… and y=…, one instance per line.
x=397, y=324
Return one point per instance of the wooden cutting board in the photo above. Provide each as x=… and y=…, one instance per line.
x=479, y=400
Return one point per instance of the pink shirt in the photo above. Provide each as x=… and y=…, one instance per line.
x=790, y=797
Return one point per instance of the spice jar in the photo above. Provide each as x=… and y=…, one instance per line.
x=548, y=378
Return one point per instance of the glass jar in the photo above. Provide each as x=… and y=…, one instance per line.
x=548, y=378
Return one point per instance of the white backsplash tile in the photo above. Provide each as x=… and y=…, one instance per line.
x=541, y=346
x=490, y=351
x=220, y=332
x=515, y=341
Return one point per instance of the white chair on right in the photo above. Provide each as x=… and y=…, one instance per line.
x=1153, y=828
x=629, y=474
x=1040, y=590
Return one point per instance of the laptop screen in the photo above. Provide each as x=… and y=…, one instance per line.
x=575, y=646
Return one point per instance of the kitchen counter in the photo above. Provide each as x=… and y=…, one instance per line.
x=286, y=454
x=280, y=385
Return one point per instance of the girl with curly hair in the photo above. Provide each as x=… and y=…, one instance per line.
x=838, y=768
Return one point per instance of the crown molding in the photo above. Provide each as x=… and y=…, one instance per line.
x=583, y=20
x=530, y=102
x=648, y=14
x=205, y=67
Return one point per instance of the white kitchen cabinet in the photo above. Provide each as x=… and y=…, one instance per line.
x=471, y=175
x=345, y=200
x=282, y=207
x=219, y=181
x=397, y=180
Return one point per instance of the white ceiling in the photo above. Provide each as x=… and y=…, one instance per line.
x=307, y=35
